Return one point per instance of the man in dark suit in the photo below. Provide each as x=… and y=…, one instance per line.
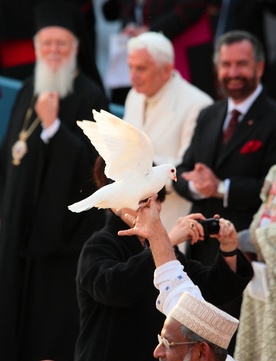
x=225, y=177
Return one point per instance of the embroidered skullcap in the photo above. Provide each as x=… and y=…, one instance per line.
x=204, y=319
x=154, y=42
x=66, y=14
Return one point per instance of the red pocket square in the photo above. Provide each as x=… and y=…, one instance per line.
x=251, y=147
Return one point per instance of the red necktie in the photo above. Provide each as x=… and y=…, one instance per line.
x=229, y=131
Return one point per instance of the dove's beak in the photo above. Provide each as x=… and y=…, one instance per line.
x=174, y=178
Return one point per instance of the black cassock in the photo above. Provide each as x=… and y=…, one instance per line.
x=40, y=238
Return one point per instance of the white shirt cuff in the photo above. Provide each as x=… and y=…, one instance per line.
x=194, y=192
x=48, y=133
x=226, y=192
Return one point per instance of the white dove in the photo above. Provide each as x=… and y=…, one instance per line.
x=128, y=154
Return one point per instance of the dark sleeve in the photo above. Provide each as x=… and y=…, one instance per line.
x=187, y=165
x=14, y=127
x=194, y=153
x=65, y=176
x=89, y=97
x=182, y=186
x=111, y=280
x=270, y=5
x=244, y=192
x=66, y=172
x=111, y=10
x=171, y=20
x=181, y=16
x=219, y=284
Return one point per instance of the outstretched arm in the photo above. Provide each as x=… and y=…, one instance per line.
x=169, y=277
x=147, y=224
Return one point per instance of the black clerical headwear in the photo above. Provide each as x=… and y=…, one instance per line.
x=66, y=14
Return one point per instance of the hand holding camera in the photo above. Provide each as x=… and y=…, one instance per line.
x=210, y=226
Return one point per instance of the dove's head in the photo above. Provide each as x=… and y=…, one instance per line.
x=166, y=170
x=173, y=173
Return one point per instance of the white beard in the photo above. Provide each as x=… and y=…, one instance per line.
x=61, y=80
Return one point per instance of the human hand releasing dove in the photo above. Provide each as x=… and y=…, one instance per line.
x=128, y=154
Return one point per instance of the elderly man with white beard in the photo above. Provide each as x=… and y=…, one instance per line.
x=45, y=164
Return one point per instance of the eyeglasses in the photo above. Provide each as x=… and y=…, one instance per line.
x=168, y=344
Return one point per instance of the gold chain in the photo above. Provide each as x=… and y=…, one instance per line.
x=20, y=148
x=25, y=133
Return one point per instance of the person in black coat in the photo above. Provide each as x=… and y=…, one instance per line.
x=225, y=177
x=174, y=285
x=45, y=165
x=116, y=295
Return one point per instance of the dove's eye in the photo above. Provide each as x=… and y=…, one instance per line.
x=172, y=170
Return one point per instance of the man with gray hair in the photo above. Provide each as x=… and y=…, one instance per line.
x=163, y=105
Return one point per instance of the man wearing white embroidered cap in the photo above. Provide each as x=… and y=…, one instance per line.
x=172, y=282
x=195, y=330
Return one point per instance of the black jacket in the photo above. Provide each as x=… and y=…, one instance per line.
x=117, y=297
x=245, y=166
x=40, y=239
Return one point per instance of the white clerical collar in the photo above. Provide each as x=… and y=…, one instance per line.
x=246, y=104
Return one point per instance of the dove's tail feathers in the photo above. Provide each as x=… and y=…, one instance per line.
x=83, y=205
x=97, y=200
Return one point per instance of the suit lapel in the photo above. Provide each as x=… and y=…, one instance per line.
x=243, y=130
x=213, y=134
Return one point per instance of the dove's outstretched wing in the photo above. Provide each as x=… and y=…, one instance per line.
x=127, y=151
